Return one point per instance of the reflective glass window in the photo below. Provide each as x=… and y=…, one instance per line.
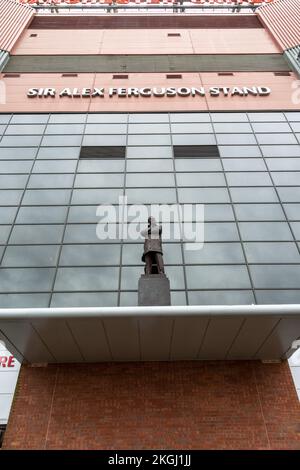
x=259, y=212
x=26, y=129
x=244, y=164
x=85, y=299
x=215, y=253
x=59, y=166
x=200, y=179
x=253, y=195
x=238, y=139
x=50, y=181
x=89, y=255
x=26, y=279
x=58, y=152
x=20, y=256
x=42, y=234
x=191, y=128
x=217, y=277
x=96, y=180
x=203, y=195
x=239, y=151
x=95, y=140
x=198, y=164
x=46, y=197
x=194, y=139
x=282, y=252
x=223, y=297
x=151, y=180
x=87, y=279
x=149, y=165
x=265, y=231
x=42, y=215
x=64, y=129
x=280, y=276
x=249, y=179
x=148, y=129
x=96, y=196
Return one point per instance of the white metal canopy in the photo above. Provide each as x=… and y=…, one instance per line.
x=50, y=335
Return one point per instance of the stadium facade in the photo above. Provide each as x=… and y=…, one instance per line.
x=160, y=103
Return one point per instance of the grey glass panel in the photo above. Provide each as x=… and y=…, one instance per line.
x=58, y=152
x=265, y=231
x=229, y=117
x=130, y=276
x=283, y=163
x=280, y=276
x=286, y=179
x=26, y=129
x=270, y=297
x=239, y=151
x=244, y=297
x=100, y=166
x=195, y=164
x=149, y=117
x=5, y=118
x=29, y=118
x=296, y=229
x=87, y=279
x=46, y=197
x=10, y=197
x=132, y=253
x=281, y=150
x=93, y=180
x=89, y=255
x=276, y=139
x=194, y=139
x=81, y=234
x=61, y=166
x=146, y=139
x=149, y=152
x=149, y=165
x=192, y=128
x=50, y=181
x=15, y=167
x=259, y=212
x=220, y=232
x=293, y=116
x=106, y=129
x=266, y=117
x=41, y=215
x=230, y=128
x=215, y=253
x=239, y=139
x=85, y=214
x=244, y=164
x=146, y=196
x=24, y=300
x=271, y=127
x=200, y=179
x=292, y=211
x=85, y=299
x=26, y=280
x=253, y=195
x=249, y=179
x=64, y=129
x=218, y=212
x=67, y=118
x=128, y=299
x=178, y=298
x=17, y=153
x=203, y=195
x=2, y=129
x=96, y=196
x=140, y=180
x=290, y=194
x=31, y=256
x=4, y=232
x=105, y=118
x=190, y=117
x=7, y=214
x=42, y=234
x=217, y=277
x=13, y=181
x=20, y=141
x=272, y=252
x=295, y=126
x=64, y=140
x=148, y=129
x=95, y=140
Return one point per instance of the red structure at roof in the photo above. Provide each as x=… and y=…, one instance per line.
x=147, y=2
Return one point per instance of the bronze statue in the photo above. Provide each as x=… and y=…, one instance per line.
x=153, y=254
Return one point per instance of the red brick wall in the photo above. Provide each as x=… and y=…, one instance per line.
x=176, y=405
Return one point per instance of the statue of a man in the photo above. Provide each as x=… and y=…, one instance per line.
x=153, y=255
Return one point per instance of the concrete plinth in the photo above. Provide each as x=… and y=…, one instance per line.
x=154, y=289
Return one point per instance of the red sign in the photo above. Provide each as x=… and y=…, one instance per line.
x=7, y=361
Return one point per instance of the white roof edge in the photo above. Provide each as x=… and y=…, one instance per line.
x=286, y=310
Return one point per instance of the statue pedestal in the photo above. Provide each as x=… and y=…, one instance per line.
x=154, y=289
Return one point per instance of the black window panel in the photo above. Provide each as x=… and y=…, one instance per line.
x=196, y=151
x=102, y=152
